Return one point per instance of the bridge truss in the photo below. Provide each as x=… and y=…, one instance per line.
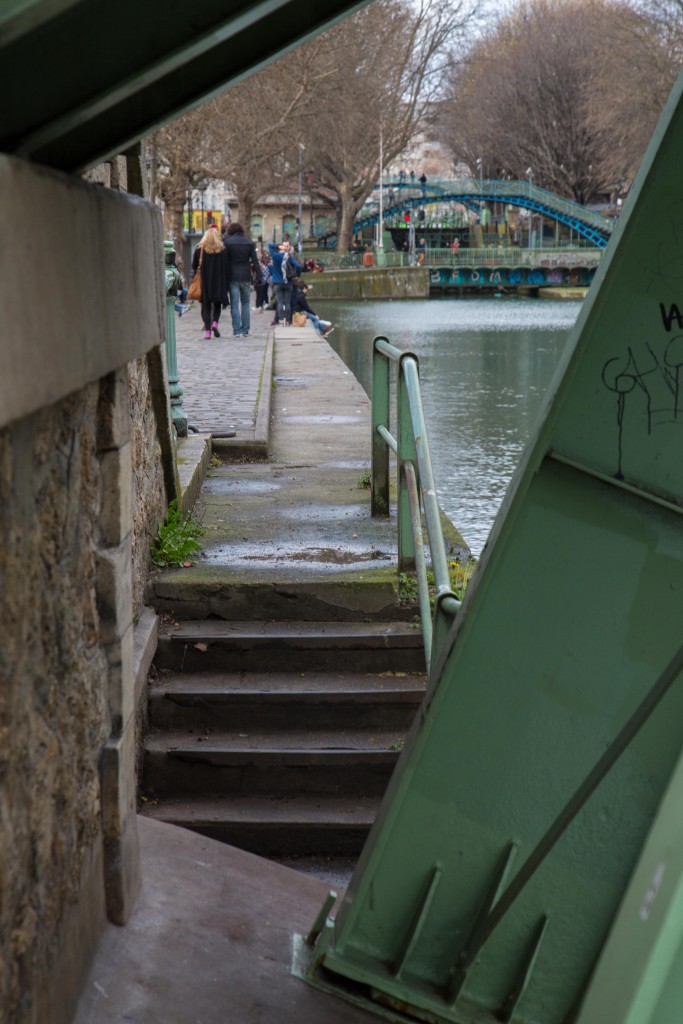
x=473, y=193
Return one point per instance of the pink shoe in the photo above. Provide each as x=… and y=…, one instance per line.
x=207, y=335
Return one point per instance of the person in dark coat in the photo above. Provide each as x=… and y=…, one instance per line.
x=300, y=305
x=283, y=270
x=210, y=253
x=242, y=263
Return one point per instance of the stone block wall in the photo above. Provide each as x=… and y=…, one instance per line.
x=81, y=488
x=149, y=493
x=54, y=717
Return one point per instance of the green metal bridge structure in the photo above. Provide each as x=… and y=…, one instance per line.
x=589, y=225
x=489, y=266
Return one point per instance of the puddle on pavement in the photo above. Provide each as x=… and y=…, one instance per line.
x=295, y=382
x=293, y=558
x=229, y=485
x=323, y=418
x=327, y=514
x=337, y=555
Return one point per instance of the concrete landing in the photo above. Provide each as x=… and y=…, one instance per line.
x=209, y=942
x=300, y=519
x=290, y=537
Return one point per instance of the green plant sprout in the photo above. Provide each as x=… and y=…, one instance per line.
x=459, y=573
x=176, y=537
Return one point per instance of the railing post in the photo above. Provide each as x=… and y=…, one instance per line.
x=406, y=452
x=172, y=276
x=379, y=494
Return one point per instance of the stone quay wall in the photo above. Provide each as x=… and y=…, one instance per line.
x=371, y=283
x=81, y=490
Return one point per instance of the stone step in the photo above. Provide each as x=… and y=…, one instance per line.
x=333, y=826
x=213, y=645
x=276, y=701
x=199, y=592
x=264, y=763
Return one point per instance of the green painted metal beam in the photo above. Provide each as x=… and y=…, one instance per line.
x=82, y=80
x=554, y=718
x=639, y=977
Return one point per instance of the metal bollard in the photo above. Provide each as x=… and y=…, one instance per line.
x=175, y=389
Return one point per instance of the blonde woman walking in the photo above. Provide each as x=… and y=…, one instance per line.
x=210, y=260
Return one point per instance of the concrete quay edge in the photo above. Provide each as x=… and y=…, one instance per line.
x=234, y=448
x=194, y=451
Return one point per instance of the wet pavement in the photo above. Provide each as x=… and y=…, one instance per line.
x=304, y=513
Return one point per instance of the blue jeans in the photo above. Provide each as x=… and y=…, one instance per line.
x=316, y=321
x=239, y=306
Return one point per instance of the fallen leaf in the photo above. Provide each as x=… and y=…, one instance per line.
x=202, y=647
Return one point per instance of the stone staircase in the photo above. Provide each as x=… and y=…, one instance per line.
x=279, y=737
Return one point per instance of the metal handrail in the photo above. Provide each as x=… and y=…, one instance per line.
x=415, y=482
x=492, y=255
x=439, y=189
x=509, y=256
x=498, y=189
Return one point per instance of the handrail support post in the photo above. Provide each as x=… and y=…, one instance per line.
x=407, y=452
x=380, y=404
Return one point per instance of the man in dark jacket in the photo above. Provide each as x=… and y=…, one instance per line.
x=300, y=305
x=242, y=262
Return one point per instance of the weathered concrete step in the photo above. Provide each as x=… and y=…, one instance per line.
x=277, y=701
x=283, y=827
x=270, y=763
x=214, y=645
x=201, y=591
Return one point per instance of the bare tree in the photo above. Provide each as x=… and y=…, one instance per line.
x=538, y=92
x=182, y=154
x=381, y=70
x=240, y=136
x=638, y=65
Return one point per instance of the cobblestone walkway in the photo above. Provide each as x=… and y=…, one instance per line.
x=221, y=377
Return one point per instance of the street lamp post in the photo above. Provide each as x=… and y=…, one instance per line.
x=530, y=176
x=299, y=245
x=380, y=222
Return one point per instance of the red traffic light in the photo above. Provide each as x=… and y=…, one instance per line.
x=406, y=217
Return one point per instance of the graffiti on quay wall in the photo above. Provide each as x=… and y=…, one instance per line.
x=491, y=277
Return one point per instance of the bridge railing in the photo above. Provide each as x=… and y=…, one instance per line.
x=416, y=493
x=507, y=256
x=521, y=193
x=499, y=256
x=499, y=189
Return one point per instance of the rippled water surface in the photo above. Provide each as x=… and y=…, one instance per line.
x=485, y=366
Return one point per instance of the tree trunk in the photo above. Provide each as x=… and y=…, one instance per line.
x=246, y=201
x=348, y=207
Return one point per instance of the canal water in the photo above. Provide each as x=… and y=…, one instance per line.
x=485, y=365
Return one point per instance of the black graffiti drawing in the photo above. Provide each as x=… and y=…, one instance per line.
x=654, y=382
